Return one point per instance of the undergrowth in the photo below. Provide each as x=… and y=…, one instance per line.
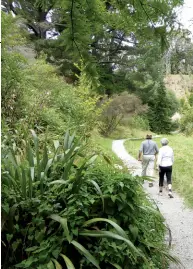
x=61, y=209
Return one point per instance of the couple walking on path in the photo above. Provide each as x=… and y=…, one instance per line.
x=148, y=154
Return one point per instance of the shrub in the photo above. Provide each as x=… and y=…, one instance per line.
x=13, y=65
x=42, y=99
x=190, y=99
x=34, y=96
x=186, y=122
x=175, y=125
x=140, y=122
x=59, y=209
x=78, y=108
x=120, y=106
x=172, y=102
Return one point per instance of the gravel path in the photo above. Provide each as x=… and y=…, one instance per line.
x=177, y=216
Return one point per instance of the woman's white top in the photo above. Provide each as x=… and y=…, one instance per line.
x=165, y=156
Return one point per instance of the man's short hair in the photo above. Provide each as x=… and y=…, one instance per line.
x=148, y=136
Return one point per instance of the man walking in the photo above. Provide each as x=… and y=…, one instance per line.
x=165, y=161
x=149, y=150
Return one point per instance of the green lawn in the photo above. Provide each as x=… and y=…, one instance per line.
x=183, y=165
x=105, y=145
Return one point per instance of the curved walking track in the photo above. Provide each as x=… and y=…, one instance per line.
x=177, y=216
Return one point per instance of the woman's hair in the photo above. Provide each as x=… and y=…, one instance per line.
x=164, y=141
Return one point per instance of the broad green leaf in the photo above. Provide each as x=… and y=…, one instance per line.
x=119, y=230
x=57, y=265
x=70, y=141
x=35, y=138
x=23, y=183
x=50, y=265
x=42, y=177
x=12, y=211
x=107, y=159
x=111, y=235
x=70, y=153
x=59, y=181
x=99, y=191
x=31, y=179
x=67, y=168
x=29, y=154
x=17, y=174
x=36, y=143
x=27, y=263
x=63, y=222
x=68, y=262
x=32, y=173
x=56, y=144
x=116, y=265
x=45, y=159
x=31, y=249
x=9, y=237
x=66, y=138
x=49, y=163
x=86, y=253
x=92, y=159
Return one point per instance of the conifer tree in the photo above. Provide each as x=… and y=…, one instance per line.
x=159, y=119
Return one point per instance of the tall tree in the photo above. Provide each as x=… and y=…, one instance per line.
x=159, y=119
x=98, y=32
x=180, y=53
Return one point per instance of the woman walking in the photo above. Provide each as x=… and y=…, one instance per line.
x=165, y=161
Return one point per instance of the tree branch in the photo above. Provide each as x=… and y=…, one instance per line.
x=72, y=25
x=142, y=5
x=34, y=29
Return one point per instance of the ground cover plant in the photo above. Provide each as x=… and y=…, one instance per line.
x=182, y=169
x=59, y=210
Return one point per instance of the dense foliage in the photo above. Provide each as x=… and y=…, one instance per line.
x=179, y=55
x=116, y=54
x=119, y=107
x=159, y=118
x=186, y=122
x=59, y=210
x=34, y=96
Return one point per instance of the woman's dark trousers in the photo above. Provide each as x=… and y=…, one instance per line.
x=165, y=171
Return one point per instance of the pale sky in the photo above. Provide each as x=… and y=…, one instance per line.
x=185, y=15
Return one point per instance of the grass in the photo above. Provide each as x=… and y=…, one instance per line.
x=104, y=145
x=183, y=153
x=183, y=163
x=124, y=132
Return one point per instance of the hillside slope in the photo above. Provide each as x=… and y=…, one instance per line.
x=180, y=84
